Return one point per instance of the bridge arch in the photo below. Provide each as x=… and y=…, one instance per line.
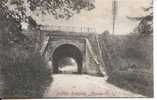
x=67, y=50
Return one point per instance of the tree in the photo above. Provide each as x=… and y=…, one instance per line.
x=13, y=12
x=145, y=26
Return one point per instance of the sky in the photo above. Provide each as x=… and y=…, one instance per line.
x=100, y=18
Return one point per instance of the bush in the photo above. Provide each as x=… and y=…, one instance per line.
x=25, y=74
x=136, y=80
x=129, y=62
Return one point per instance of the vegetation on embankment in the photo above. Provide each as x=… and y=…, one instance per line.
x=24, y=73
x=129, y=61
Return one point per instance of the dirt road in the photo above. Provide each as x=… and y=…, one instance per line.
x=71, y=85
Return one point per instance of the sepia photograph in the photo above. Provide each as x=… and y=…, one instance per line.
x=76, y=49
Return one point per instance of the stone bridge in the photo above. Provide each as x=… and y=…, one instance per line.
x=83, y=47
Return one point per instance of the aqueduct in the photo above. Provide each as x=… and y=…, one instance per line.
x=83, y=47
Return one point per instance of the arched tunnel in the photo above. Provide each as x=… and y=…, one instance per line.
x=67, y=50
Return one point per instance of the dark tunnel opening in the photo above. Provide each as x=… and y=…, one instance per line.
x=64, y=51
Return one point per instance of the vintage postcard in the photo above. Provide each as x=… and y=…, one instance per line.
x=76, y=49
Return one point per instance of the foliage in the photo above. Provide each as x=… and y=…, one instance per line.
x=111, y=46
x=145, y=26
x=129, y=61
x=133, y=80
x=13, y=12
x=61, y=8
x=9, y=25
x=25, y=74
